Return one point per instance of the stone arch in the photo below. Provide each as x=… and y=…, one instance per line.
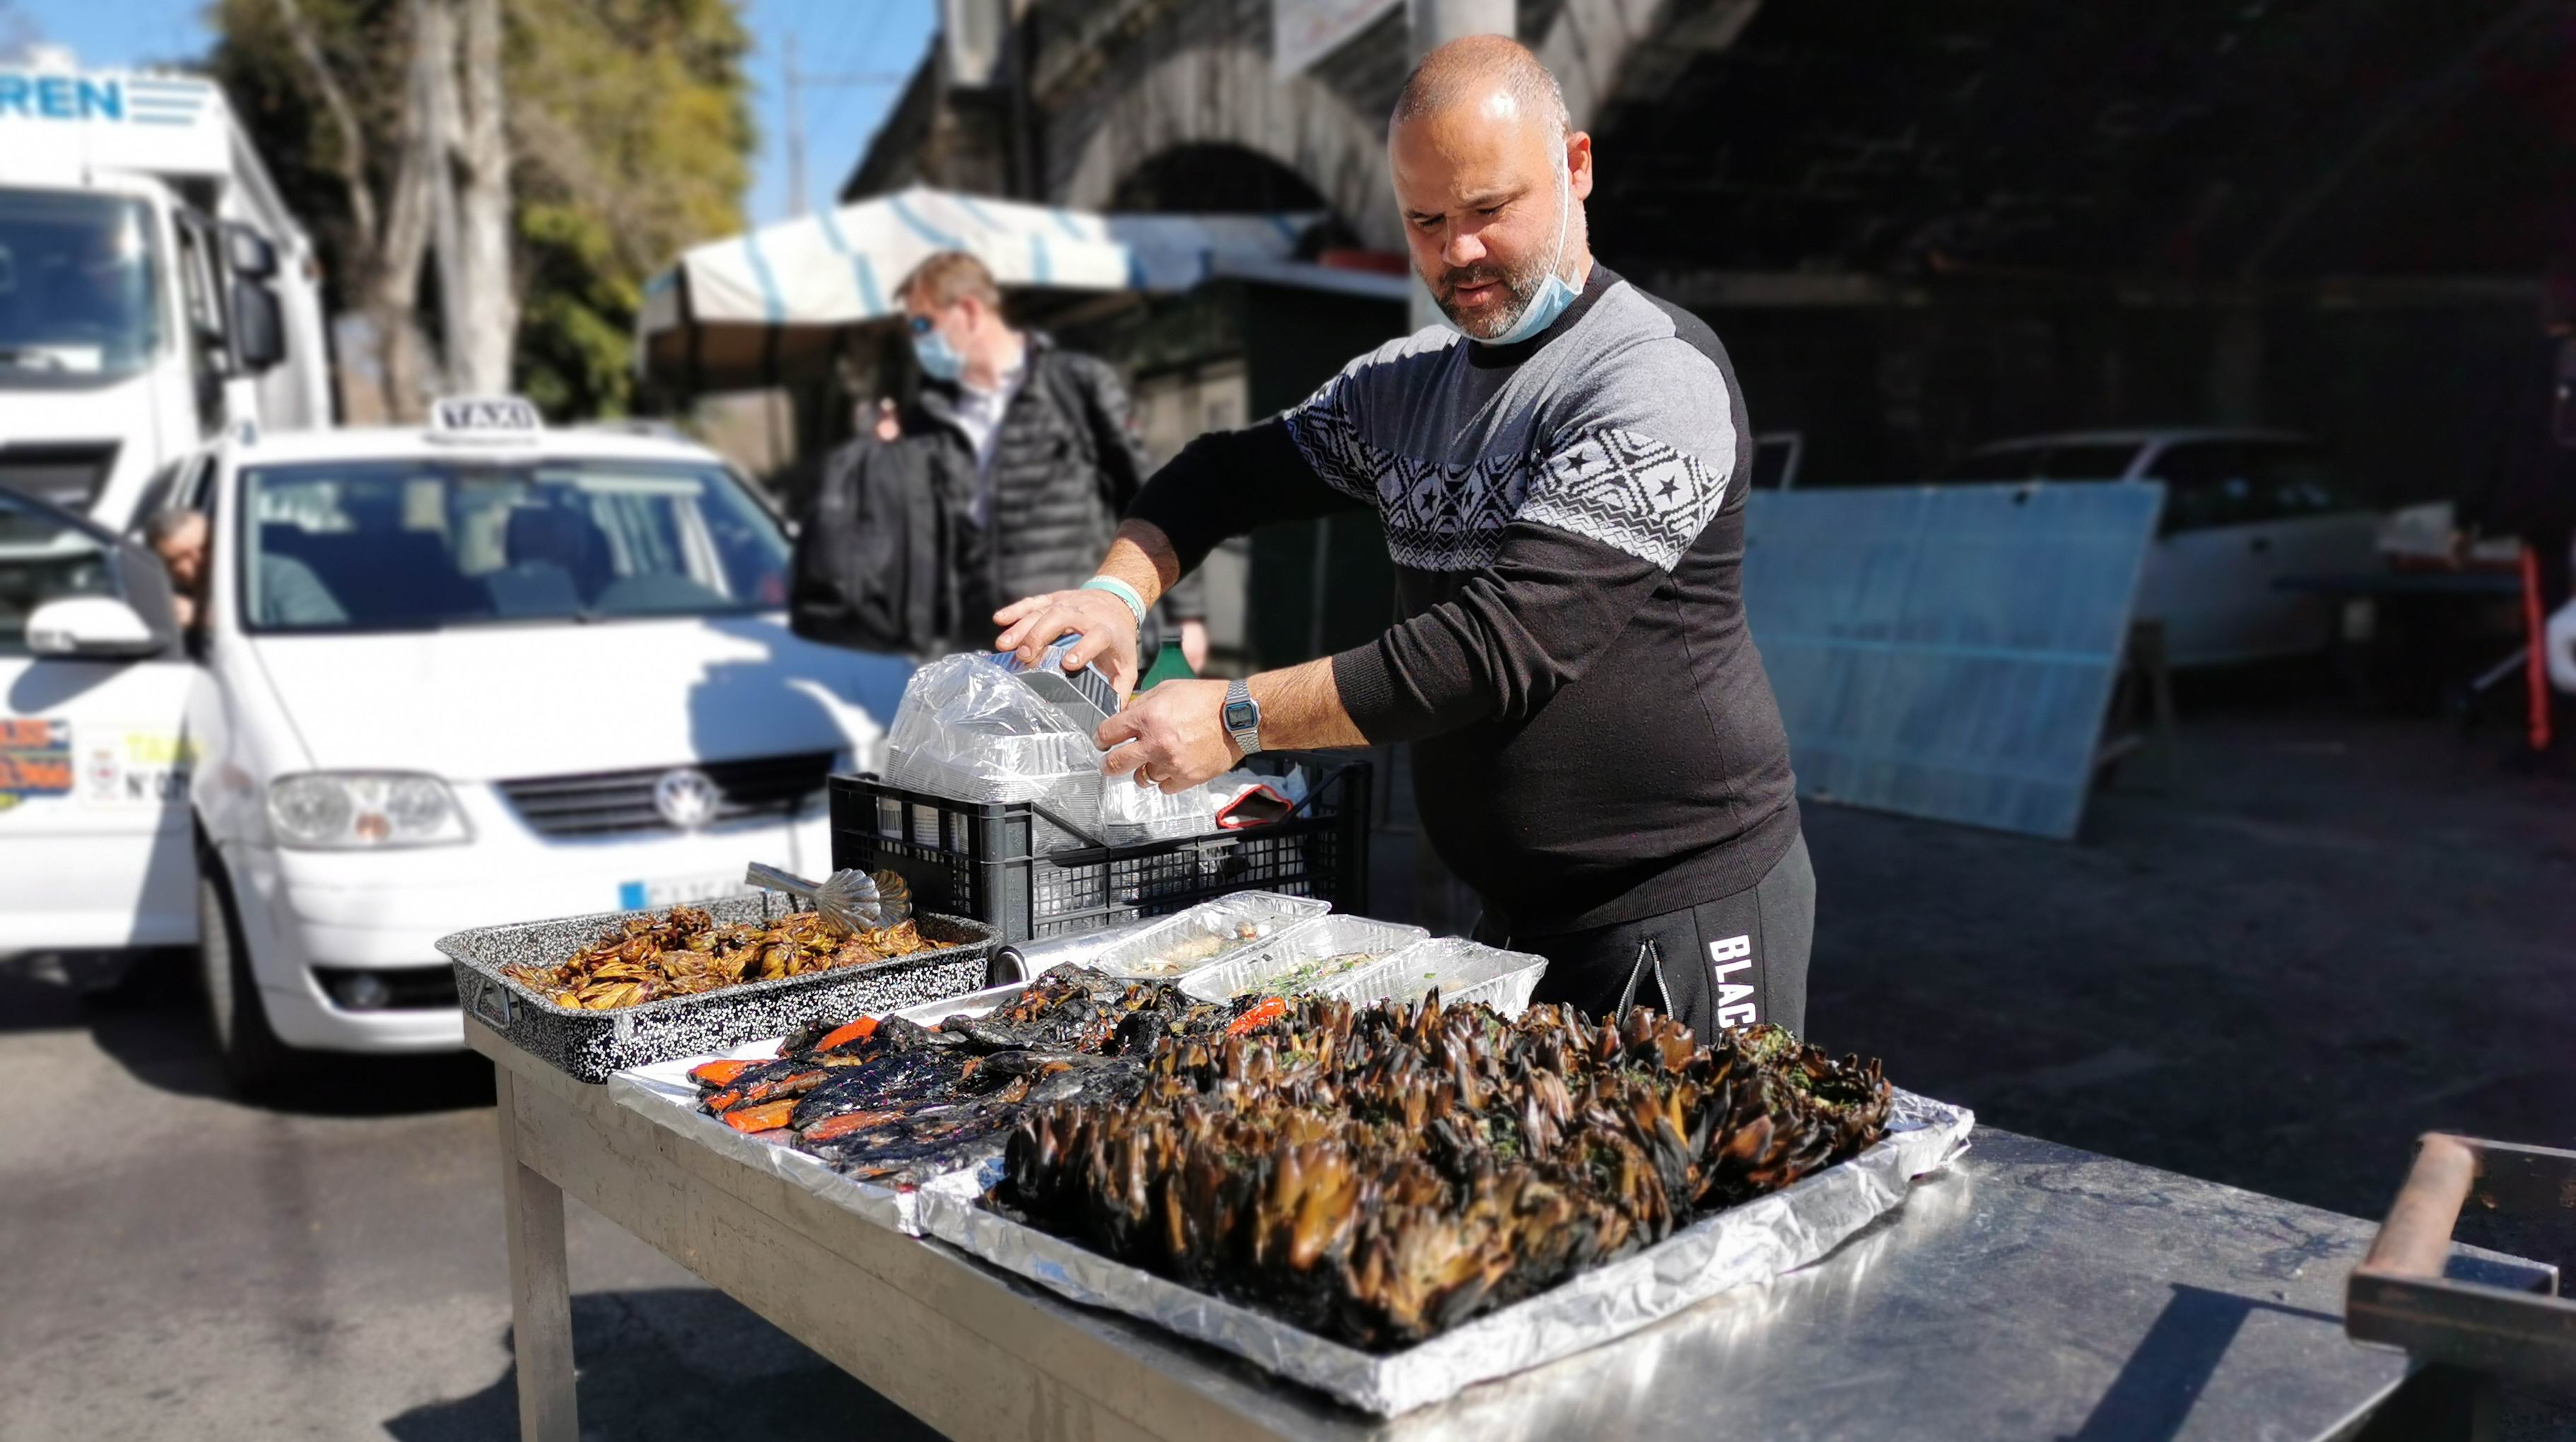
x=1225, y=94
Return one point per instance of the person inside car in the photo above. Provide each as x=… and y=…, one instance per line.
x=289, y=594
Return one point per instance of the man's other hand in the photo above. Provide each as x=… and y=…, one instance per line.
x=1174, y=738
x=1194, y=644
x=1108, y=632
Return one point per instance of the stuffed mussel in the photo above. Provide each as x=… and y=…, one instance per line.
x=1379, y=1175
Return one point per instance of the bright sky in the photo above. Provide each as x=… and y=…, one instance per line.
x=834, y=38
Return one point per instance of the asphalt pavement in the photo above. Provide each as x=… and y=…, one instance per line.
x=2332, y=935
x=182, y=1265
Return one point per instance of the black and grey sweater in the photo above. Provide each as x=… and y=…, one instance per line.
x=1598, y=741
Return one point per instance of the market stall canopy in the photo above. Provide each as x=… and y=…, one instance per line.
x=747, y=309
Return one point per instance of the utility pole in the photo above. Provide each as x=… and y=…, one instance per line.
x=795, y=133
x=1435, y=23
x=795, y=81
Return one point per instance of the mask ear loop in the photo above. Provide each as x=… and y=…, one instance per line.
x=1564, y=213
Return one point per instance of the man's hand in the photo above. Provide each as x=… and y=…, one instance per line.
x=1108, y=632
x=1175, y=738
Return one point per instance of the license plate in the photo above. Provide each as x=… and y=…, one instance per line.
x=647, y=895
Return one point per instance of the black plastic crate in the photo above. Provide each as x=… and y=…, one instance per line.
x=979, y=859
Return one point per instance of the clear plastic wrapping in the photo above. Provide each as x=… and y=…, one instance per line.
x=974, y=730
x=970, y=730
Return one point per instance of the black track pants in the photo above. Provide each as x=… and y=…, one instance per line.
x=1736, y=960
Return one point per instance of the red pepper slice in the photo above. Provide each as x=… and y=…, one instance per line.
x=846, y=1123
x=859, y=1030
x=762, y=1118
x=1264, y=1012
x=718, y=1073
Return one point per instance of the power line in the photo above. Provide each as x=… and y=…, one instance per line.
x=795, y=81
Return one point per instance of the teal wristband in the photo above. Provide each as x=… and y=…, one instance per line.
x=1122, y=591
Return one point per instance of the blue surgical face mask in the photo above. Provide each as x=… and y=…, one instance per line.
x=939, y=360
x=1554, y=295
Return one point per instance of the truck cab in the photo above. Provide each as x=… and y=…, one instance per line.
x=154, y=290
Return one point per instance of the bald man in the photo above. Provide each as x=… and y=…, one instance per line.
x=1561, y=473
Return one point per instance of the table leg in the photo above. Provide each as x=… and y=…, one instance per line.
x=540, y=1291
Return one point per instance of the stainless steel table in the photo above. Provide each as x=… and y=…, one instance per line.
x=2030, y=1291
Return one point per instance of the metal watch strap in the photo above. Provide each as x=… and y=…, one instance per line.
x=1247, y=737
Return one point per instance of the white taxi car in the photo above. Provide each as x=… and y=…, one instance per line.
x=484, y=673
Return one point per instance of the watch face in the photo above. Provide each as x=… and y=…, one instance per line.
x=1241, y=716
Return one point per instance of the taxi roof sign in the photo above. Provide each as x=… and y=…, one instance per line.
x=484, y=418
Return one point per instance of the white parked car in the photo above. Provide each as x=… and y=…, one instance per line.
x=444, y=679
x=2243, y=509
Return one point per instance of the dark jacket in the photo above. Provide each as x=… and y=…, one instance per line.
x=1065, y=467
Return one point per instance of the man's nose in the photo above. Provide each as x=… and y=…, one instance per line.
x=1464, y=248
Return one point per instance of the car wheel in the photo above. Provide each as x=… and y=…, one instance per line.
x=253, y=1058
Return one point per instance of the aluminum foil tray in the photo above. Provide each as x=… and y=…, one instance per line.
x=588, y=1045
x=663, y=1094
x=1463, y=970
x=1133, y=956
x=1231, y=976
x=1743, y=1245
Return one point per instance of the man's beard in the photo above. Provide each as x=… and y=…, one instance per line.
x=1524, y=290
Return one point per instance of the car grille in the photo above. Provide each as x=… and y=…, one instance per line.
x=605, y=802
x=67, y=476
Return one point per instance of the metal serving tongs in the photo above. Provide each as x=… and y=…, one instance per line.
x=848, y=901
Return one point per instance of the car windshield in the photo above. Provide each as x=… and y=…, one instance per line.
x=80, y=295
x=409, y=545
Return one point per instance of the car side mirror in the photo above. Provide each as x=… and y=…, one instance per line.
x=100, y=627
x=259, y=328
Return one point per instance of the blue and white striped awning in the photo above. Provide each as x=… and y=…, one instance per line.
x=841, y=267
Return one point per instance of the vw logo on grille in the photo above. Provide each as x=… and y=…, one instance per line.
x=686, y=798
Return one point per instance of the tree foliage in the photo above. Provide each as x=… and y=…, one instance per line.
x=630, y=136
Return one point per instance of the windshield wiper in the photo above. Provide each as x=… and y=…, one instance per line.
x=20, y=356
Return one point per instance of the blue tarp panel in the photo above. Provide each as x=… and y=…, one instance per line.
x=1947, y=651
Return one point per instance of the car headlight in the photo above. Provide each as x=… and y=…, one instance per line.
x=355, y=810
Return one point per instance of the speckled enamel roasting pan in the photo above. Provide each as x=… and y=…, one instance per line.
x=588, y=1045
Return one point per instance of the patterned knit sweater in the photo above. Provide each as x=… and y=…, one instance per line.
x=1597, y=741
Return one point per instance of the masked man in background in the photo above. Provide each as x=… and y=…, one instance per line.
x=1045, y=434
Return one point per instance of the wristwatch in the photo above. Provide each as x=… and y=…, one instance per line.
x=1242, y=716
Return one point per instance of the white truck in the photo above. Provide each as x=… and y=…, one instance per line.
x=154, y=289
x=154, y=294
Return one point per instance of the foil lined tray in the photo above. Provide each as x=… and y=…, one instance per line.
x=590, y=1045
x=663, y=1094
x=1743, y=1245
x=1135, y=957
x=1327, y=936
x=1462, y=970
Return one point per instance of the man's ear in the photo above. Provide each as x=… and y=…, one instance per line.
x=1578, y=164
